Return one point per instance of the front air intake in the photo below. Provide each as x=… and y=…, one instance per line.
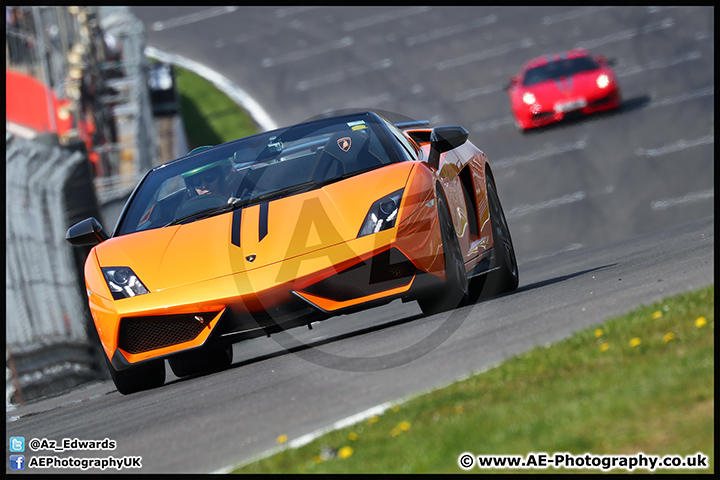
x=142, y=334
x=387, y=270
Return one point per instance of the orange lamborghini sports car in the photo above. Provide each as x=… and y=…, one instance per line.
x=289, y=227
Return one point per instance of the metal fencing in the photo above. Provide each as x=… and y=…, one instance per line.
x=91, y=58
x=126, y=91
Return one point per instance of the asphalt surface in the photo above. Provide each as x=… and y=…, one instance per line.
x=299, y=383
x=582, y=184
x=606, y=213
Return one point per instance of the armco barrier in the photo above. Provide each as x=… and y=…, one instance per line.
x=50, y=342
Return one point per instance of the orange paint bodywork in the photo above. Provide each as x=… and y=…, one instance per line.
x=311, y=237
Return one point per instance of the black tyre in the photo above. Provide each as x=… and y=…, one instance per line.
x=455, y=290
x=142, y=377
x=200, y=361
x=506, y=277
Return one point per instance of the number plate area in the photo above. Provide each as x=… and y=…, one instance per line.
x=563, y=107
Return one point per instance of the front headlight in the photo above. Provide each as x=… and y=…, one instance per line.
x=603, y=81
x=123, y=282
x=382, y=214
x=528, y=98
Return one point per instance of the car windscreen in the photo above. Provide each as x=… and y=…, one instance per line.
x=558, y=69
x=255, y=169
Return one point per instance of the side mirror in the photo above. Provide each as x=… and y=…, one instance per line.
x=443, y=139
x=510, y=84
x=87, y=232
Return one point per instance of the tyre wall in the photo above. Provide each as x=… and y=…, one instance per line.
x=51, y=345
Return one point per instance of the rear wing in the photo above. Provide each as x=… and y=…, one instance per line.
x=413, y=124
x=417, y=130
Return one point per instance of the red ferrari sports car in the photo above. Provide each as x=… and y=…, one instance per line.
x=551, y=88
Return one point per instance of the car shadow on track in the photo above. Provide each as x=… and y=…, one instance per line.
x=544, y=283
x=300, y=346
x=303, y=346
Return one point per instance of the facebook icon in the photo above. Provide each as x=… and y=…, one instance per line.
x=17, y=462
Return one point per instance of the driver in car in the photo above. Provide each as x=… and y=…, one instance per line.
x=208, y=179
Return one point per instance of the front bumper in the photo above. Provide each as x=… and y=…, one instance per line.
x=250, y=304
x=545, y=115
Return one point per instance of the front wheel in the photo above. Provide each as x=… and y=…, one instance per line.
x=142, y=377
x=455, y=291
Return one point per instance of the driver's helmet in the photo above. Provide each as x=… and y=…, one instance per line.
x=221, y=168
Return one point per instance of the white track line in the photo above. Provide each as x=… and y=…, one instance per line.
x=344, y=74
x=675, y=147
x=399, y=13
x=484, y=54
x=658, y=64
x=192, y=18
x=569, y=248
x=474, y=92
x=307, y=52
x=348, y=421
x=547, y=151
x=625, y=34
x=689, y=198
x=571, y=15
x=683, y=97
x=439, y=33
x=288, y=11
x=522, y=210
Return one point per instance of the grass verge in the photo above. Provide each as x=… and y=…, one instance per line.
x=210, y=117
x=642, y=382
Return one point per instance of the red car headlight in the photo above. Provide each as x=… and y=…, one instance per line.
x=528, y=98
x=603, y=81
